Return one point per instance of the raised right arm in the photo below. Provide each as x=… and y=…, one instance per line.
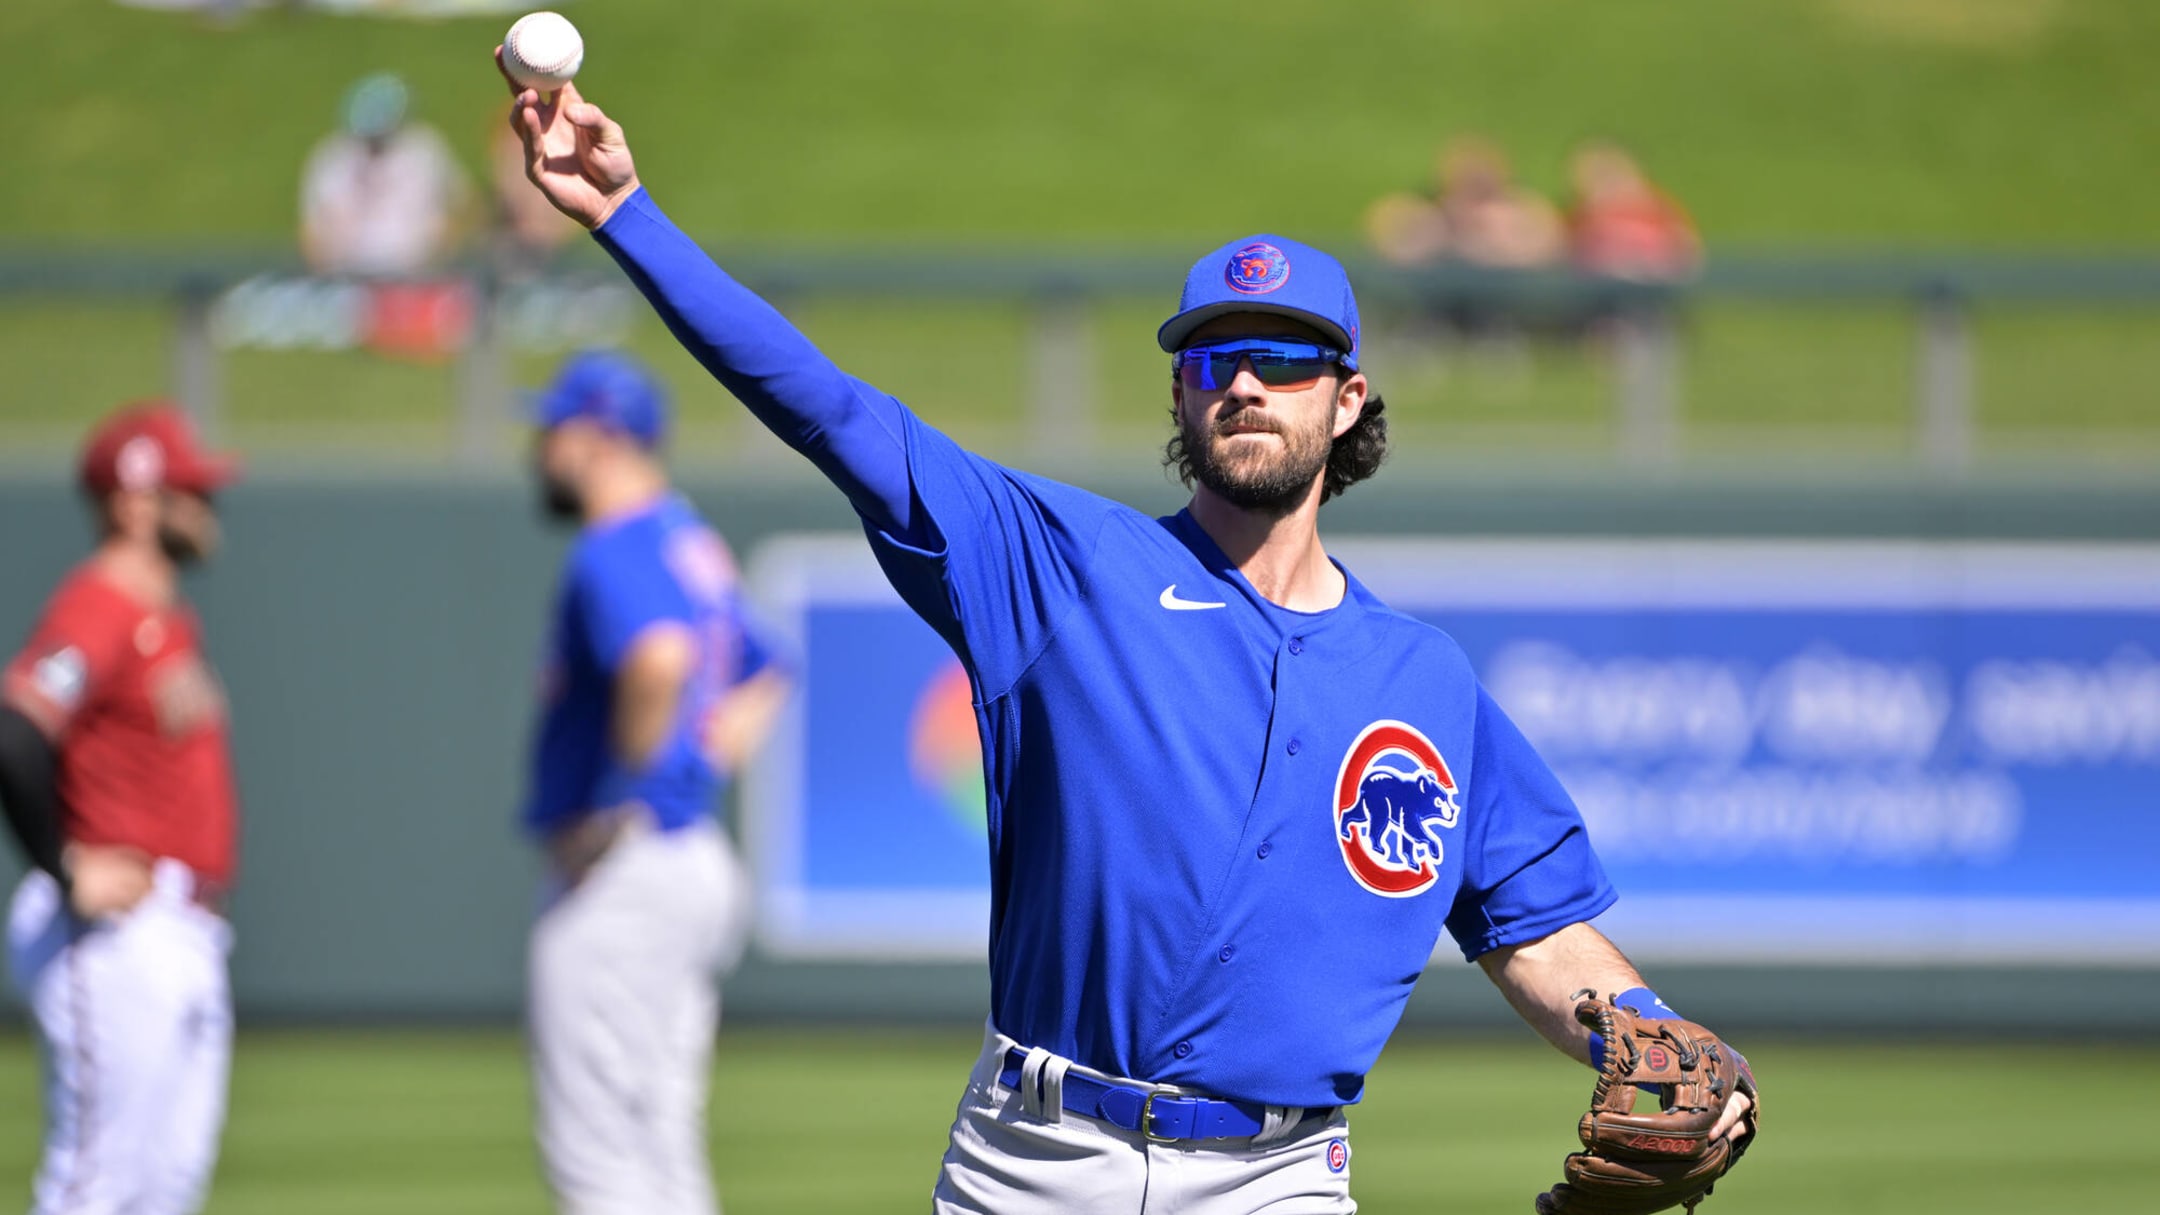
x=578, y=158
x=991, y=558
x=849, y=429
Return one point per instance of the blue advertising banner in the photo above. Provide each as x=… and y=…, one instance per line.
x=1794, y=751
x=1839, y=752
x=865, y=815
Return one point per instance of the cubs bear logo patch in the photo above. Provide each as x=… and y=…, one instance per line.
x=1394, y=796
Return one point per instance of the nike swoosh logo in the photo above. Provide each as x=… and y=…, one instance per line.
x=1170, y=600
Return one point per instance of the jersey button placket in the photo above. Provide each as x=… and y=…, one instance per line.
x=1226, y=953
x=1294, y=746
x=1182, y=1049
x=1297, y=645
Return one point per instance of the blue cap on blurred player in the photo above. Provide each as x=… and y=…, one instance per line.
x=612, y=389
x=1268, y=274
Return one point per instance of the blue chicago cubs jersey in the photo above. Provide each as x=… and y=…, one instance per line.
x=1225, y=837
x=621, y=576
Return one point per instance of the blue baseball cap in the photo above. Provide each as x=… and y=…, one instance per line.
x=612, y=389
x=1267, y=274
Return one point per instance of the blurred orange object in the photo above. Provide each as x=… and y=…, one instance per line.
x=419, y=320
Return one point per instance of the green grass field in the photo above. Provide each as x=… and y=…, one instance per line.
x=331, y=1123
x=1933, y=121
x=1103, y=123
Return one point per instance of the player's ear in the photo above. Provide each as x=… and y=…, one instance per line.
x=1350, y=401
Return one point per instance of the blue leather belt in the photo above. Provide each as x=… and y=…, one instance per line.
x=1156, y=1116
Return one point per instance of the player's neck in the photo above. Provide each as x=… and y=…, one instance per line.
x=140, y=569
x=1280, y=554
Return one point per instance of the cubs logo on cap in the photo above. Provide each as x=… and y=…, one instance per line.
x=1394, y=796
x=1256, y=269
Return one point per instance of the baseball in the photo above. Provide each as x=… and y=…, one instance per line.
x=543, y=51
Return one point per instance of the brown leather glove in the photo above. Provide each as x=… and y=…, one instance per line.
x=1635, y=1163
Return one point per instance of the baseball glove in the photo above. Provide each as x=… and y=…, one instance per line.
x=1635, y=1163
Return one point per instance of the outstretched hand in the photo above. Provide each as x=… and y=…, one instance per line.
x=574, y=153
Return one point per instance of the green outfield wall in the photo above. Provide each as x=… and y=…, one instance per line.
x=379, y=640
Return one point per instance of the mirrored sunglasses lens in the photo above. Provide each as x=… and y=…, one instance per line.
x=1209, y=370
x=1300, y=373
x=1206, y=371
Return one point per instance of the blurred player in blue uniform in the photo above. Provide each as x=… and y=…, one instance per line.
x=657, y=686
x=1234, y=801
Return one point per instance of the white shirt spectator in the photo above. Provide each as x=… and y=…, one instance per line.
x=386, y=206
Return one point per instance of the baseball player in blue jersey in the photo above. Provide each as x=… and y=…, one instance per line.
x=655, y=689
x=1234, y=800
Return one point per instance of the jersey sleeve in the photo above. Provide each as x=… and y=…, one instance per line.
x=1000, y=556
x=71, y=654
x=848, y=429
x=620, y=595
x=984, y=554
x=1529, y=870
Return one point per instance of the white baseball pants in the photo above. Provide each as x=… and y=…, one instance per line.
x=622, y=1002
x=1010, y=1159
x=134, y=1021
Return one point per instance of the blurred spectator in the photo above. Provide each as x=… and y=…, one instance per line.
x=1620, y=225
x=1405, y=228
x=529, y=231
x=383, y=196
x=1490, y=220
x=1475, y=213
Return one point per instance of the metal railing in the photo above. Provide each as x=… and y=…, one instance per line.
x=222, y=301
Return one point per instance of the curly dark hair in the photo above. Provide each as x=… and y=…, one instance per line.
x=1355, y=455
x=1359, y=451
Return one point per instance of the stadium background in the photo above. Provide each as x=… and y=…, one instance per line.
x=377, y=610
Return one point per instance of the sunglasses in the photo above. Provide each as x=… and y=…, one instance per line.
x=1284, y=364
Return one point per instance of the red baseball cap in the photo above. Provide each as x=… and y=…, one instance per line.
x=153, y=445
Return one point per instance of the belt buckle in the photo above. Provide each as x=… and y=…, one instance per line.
x=1147, y=1120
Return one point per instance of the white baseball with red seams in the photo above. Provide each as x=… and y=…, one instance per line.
x=543, y=51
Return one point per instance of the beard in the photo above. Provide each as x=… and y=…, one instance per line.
x=559, y=500
x=1258, y=476
x=179, y=547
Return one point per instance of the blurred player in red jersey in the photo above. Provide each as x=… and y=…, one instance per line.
x=117, y=781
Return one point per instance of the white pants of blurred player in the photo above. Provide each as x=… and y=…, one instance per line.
x=623, y=1001
x=134, y=1020
x=1008, y=1159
